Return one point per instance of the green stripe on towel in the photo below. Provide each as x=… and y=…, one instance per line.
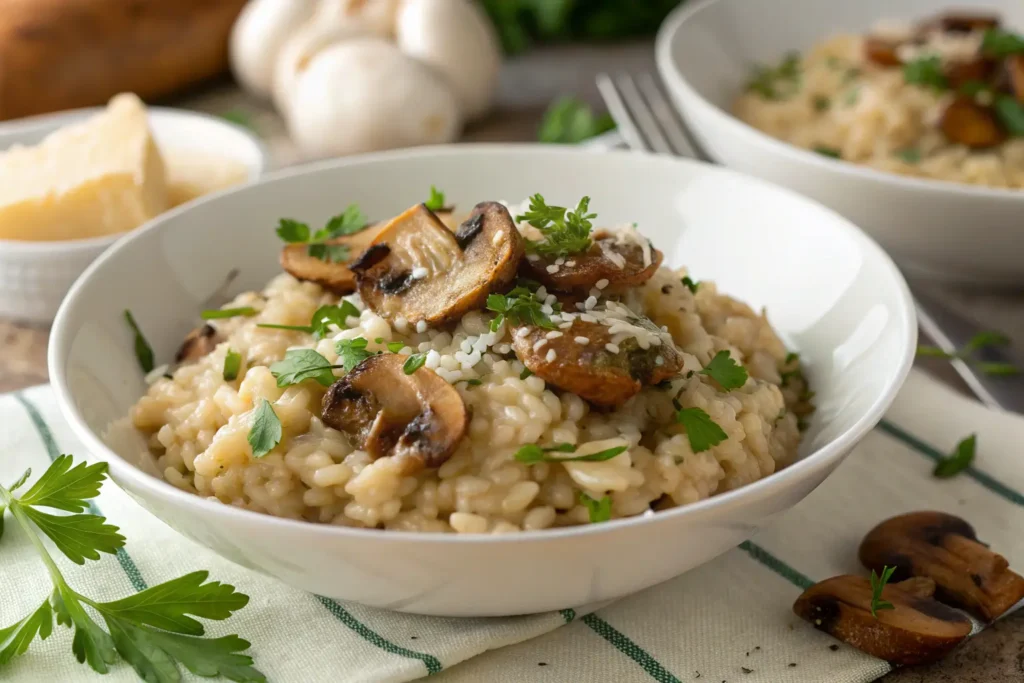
x=776, y=565
x=52, y=451
x=630, y=649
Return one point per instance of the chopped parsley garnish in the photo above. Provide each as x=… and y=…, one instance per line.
x=470, y=382
x=352, y=352
x=821, y=103
x=570, y=121
x=565, y=232
x=1000, y=43
x=532, y=453
x=302, y=364
x=600, y=509
x=347, y=223
x=690, y=284
x=851, y=97
x=972, y=88
x=877, y=584
x=977, y=342
x=220, y=313
x=777, y=82
x=143, y=351
x=961, y=458
x=910, y=155
x=926, y=72
x=701, y=430
x=727, y=372
x=239, y=118
x=1010, y=113
x=414, y=363
x=830, y=152
x=153, y=630
x=520, y=307
x=395, y=346
x=791, y=357
x=527, y=372
x=323, y=317
x=265, y=432
x=436, y=200
x=232, y=364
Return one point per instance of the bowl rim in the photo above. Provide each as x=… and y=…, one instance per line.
x=56, y=120
x=835, y=449
x=674, y=76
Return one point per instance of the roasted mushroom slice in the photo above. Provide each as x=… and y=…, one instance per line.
x=418, y=270
x=966, y=122
x=621, y=257
x=198, y=343
x=965, y=22
x=332, y=275
x=417, y=418
x=918, y=629
x=978, y=69
x=1014, y=69
x=945, y=549
x=882, y=51
x=584, y=360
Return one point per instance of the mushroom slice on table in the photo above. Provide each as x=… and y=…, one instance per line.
x=583, y=360
x=417, y=418
x=945, y=549
x=918, y=629
x=622, y=257
x=419, y=270
x=966, y=122
x=198, y=343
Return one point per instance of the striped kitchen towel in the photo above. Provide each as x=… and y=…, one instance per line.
x=729, y=620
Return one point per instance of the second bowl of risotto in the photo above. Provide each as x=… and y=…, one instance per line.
x=366, y=394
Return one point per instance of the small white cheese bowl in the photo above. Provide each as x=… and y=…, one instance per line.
x=35, y=276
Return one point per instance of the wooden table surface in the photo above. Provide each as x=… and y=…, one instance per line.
x=528, y=84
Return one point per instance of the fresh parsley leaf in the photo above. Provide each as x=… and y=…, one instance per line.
x=532, y=453
x=239, y=118
x=821, y=103
x=910, y=155
x=470, y=382
x=265, y=432
x=998, y=369
x=926, y=72
x=332, y=253
x=91, y=643
x=232, y=364
x=830, y=152
x=925, y=351
x=877, y=584
x=978, y=342
x=690, y=284
x=791, y=357
x=960, y=460
x=323, y=318
x=352, y=352
x=569, y=121
x=218, y=313
x=20, y=480
x=1001, y=43
x=143, y=351
x=79, y=537
x=302, y=364
x=565, y=232
x=727, y=372
x=1010, y=113
x=983, y=340
x=521, y=307
x=15, y=639
x=351, y=221
x=64, y=487
x=293, y=231
x=972, y=88
x=525, y=373
x=777, y=82
x=348, y=222
x=395, y=346
x=414, y=363
x=701, y=430
x=436, y=200
x=600, y=510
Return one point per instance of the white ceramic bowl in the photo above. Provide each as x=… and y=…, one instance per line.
x=705, y=53
x=35, y=276
x=832, y=292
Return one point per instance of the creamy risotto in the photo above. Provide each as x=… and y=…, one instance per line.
x=496, y=374
x=942, y=99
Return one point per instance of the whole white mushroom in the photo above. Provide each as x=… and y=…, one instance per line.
x=378, y=15
x=258, y=34
x=365, y=94
x=457, y=38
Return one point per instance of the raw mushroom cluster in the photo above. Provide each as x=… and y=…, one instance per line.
x=352, y=76
x=960, y=52
x=938, y=564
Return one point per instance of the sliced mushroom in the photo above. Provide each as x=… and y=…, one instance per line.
x=945, y=549
x=1014, y=69
x=334, y=276
x=882, y=51
x=624, y=259
x=965, y=22
x=418, y=270
x=418, y=418
x=198, y=343
x=958, y=73
x=917, y=630
x=605, y=378
x=966, y=122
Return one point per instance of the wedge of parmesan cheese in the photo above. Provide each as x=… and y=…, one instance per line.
x=98, y=177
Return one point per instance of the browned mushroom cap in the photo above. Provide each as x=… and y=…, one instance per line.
x=961, y=72
x=333, y=276
x=1013, y=67
x=198, y=343
x=945, y=549
x=966, y=122
x=881, y=51
x=917, y=630
x=622, y=262
x=418, y=270
x=965, y=22
x=604, y=377
x=417, y=418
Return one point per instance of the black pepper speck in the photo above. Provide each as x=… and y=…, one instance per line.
x=833, y=647
x=746, y=670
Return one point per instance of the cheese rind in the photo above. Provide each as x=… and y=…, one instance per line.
x=97, y=177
